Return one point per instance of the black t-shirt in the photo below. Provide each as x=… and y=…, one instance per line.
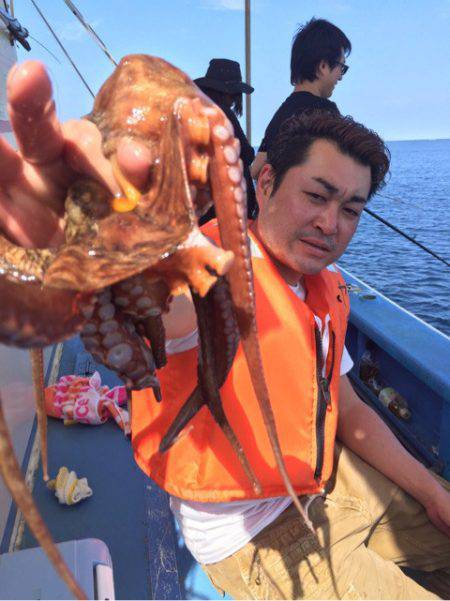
x=295, y=104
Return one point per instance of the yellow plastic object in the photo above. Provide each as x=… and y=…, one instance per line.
x=69, y=489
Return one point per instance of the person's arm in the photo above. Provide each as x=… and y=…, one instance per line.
x=181, y=319
x=258, y=164
x=365, y=433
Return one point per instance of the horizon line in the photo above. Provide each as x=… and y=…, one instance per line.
x=418, y=139
x=256, y=147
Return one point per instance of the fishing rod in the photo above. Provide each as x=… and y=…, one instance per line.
x=74, y=10
x=410, y=238
x=63, y=48
x=410, y=203
x=45, y=48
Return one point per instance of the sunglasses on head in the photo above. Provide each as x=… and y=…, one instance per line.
x=343, y=66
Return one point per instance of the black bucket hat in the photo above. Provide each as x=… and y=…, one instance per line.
x=225, y=76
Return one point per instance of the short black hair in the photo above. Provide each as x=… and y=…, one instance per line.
x=297, y=134
x=315, y=41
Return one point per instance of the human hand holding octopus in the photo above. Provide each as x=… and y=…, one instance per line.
x=51, y=155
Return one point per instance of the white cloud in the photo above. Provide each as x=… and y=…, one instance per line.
x=224, y=4
x=73, y=31
x=445, y=10
x=341, y=6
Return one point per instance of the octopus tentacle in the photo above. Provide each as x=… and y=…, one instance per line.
x=225, y=331
x=189, y=409
x=218, y=345
x=37, y=368
x=230, y=203
x=209, y=386
x=112, y=339
x=225, y=338
x=10, y=471
x=32, y=315
x=153, y=330
x=197, y=262
x=144, y=297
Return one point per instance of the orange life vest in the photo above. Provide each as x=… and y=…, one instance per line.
x=201, y=465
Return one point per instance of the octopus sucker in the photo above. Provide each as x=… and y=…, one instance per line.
x=124, y=258
x=11, y=474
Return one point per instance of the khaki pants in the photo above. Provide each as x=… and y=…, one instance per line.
x=366, y=528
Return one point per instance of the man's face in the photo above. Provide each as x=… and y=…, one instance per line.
x=329, y=76
x=309, y=221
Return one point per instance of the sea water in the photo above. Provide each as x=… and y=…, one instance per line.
x=416, y=200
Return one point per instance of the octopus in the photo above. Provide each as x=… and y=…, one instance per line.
x=125, y=257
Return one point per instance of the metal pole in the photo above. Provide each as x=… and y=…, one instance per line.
x=248, y=73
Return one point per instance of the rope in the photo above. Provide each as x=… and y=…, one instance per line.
x=62, y=48
x=399, y=231
x=89, y=29
x=45, y=48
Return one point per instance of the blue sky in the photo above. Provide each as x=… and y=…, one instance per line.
x=399, y=77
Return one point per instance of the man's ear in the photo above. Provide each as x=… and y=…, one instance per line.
x=322, y=68
x=264, y=185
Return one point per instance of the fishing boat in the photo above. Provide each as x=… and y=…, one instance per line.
x=122, y=542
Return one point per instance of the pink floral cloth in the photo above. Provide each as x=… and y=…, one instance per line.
x=84, y=399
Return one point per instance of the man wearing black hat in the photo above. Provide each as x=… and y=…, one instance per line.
x=223, y=84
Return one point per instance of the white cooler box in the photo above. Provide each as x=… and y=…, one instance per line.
x=28, y=574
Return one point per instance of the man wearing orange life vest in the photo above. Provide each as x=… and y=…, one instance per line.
x=381, y=508
x=321, y=172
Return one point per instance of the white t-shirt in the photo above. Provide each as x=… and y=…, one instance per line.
x=214, y=531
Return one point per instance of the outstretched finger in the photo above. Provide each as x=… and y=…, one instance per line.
x=32, y=113
x=134, y=160
x=10, y=161
x=83, y=153
x=44, y=229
